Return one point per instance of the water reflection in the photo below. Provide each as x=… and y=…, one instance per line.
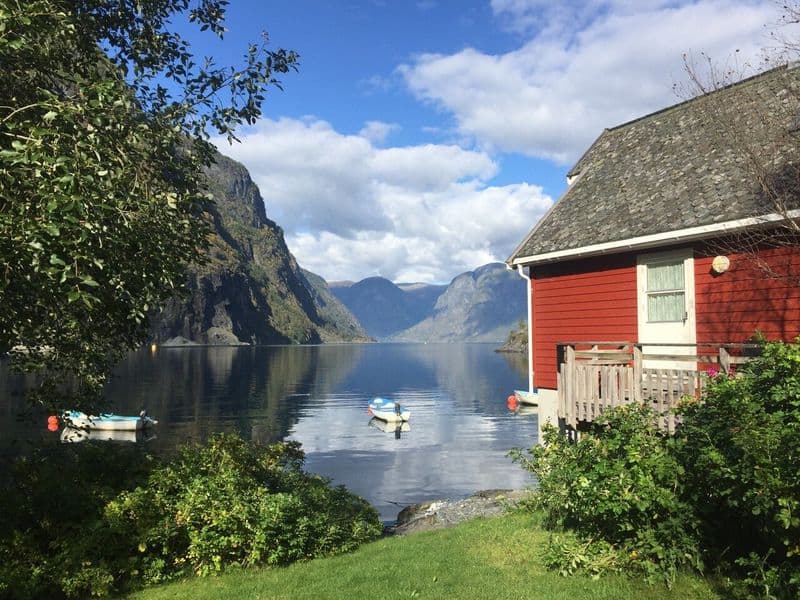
x=455, y=444
x=396, y=427
x=73, y=435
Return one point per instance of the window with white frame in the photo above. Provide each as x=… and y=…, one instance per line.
x=666, y=293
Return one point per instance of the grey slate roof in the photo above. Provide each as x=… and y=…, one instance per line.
x=685, y=166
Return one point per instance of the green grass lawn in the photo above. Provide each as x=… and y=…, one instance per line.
x=481, y=559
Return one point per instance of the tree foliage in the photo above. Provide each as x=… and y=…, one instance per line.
x=104, y=117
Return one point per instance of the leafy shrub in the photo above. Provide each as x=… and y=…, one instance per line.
x=740, y=448
x=235, y=503
x=94, y=519
x=568, y=554
x=618, y=489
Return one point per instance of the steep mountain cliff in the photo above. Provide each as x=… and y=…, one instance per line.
x=479, y=306
x=250, y=288
x=384, y=308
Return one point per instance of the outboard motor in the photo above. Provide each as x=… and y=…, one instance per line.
x=397, y=408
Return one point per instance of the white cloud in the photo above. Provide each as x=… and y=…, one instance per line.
x=377, y=131
x=351, y=210
x=588, y=66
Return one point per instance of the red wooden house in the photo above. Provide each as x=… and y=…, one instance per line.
x=655, y=242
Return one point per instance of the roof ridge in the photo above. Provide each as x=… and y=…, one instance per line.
x=746, y=81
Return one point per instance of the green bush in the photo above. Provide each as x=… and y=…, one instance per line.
x=92, y=520
x=724, y=492
x=235, y=503
x=740, y=448
x=617, y=488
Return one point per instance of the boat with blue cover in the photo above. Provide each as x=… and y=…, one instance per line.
x=388, y=410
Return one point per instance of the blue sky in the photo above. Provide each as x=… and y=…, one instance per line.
x=421, y=139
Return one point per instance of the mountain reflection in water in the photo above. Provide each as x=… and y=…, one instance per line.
x=455, y=443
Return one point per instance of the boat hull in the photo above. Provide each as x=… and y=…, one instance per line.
x=529, y=398
x=108, y=422
x=390, y=416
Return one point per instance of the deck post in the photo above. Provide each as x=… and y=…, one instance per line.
x=724, y=360
x=636, y=388
x=570, y=385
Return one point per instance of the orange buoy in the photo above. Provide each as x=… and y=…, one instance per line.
x=512, y=402
x=52, y=423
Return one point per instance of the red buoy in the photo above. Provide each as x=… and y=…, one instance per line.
x=52, y=423
x=512, y=402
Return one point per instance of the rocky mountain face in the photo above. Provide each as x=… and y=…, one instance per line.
x=250, y=289
x=384, y=308
x=478, y=306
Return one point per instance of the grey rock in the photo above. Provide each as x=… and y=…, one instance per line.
x=438, y=514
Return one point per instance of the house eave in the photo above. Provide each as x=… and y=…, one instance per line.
x=654, y=240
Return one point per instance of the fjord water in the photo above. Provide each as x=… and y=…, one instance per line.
x=455, y=443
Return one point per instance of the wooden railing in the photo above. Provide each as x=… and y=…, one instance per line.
x=593, y=376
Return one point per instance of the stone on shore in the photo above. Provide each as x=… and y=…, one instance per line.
x=438, y=514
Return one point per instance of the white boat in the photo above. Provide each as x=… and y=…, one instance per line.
x=108, y=421
x=387, y=410
x=529, y=398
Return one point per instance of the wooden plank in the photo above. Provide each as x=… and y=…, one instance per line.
x=690, y=358
x=614, y=391
x=617, y=355
x=739, y=360
x=571, y=383
x=724, y=359
x=597, y=373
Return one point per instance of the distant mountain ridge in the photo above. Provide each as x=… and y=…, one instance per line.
x=384, y=308
x=480, y=305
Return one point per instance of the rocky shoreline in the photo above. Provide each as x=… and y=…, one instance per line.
x=438, y=514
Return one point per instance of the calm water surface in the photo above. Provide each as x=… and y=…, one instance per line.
x=456, y=442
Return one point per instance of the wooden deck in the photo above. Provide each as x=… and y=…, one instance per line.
x=595, y=375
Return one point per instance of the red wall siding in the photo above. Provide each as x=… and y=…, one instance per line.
x=730, y=307
x=586, y=300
